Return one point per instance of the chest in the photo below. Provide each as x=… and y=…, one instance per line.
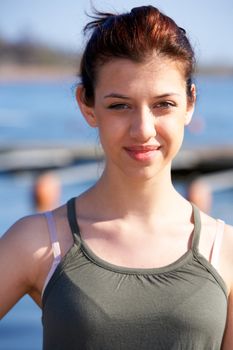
x=136, y=247
x=170, y=306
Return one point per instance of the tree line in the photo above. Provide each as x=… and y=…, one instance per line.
x=26, y=51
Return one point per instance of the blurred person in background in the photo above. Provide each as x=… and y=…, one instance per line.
x=200, y=194
x=46, y=192
x=130, y=263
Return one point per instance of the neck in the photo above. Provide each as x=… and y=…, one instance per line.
x=136, y=197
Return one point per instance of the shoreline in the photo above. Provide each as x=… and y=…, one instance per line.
x=17, y=73
x=13, y=73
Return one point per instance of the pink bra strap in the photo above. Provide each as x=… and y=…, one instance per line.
x=53, y=234
x=217, y=243
x=55, y=246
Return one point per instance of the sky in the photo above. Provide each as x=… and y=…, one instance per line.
x=59, y=23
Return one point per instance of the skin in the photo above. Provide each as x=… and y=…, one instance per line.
x=141, y=111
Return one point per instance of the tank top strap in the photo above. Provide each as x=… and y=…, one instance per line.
x=197, y=228
x=71, y=214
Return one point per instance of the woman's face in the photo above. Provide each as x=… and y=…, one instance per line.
x=140, y=110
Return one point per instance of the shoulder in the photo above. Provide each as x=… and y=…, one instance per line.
x=27, y=255
x=30, y=237
x=26, y=232
x=25, y=241
x=227, y=268
x=228, y=232
x=31, y=233
x=227, y=254
x=224, y=243
x=227, y=244
x=23, y=251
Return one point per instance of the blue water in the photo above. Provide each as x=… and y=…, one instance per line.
x=47, y=113
x=212, y=123
x=39, y=112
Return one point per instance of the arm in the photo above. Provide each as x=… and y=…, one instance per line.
x=227, y=267
x=22, y=251
x=228, y=338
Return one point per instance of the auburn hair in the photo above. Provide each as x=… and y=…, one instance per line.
x=135, y=35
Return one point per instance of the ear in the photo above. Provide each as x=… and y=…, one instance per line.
x=87, y=111
x=191, y=105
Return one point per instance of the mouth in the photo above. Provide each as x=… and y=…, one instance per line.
x=142, y=153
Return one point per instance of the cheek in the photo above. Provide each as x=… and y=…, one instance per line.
x=112, y=129
x=108, y=135
x=171, y=130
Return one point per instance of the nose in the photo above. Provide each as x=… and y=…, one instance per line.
x=142, y=126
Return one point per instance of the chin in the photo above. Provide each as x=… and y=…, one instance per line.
x=143, y=175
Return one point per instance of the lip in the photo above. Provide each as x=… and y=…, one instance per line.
x=142, y=153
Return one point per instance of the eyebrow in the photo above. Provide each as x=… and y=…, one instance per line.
x=115, y=95
x=168, y=94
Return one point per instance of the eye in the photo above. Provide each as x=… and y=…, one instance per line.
x=164, y=105
x=118, y=106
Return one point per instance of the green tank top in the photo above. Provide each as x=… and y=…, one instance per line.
x=90, y=304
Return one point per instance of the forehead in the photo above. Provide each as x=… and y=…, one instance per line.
x=153, y=72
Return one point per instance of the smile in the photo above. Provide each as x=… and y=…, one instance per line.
x=142, y=153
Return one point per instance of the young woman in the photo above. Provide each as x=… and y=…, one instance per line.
x=129, y=264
